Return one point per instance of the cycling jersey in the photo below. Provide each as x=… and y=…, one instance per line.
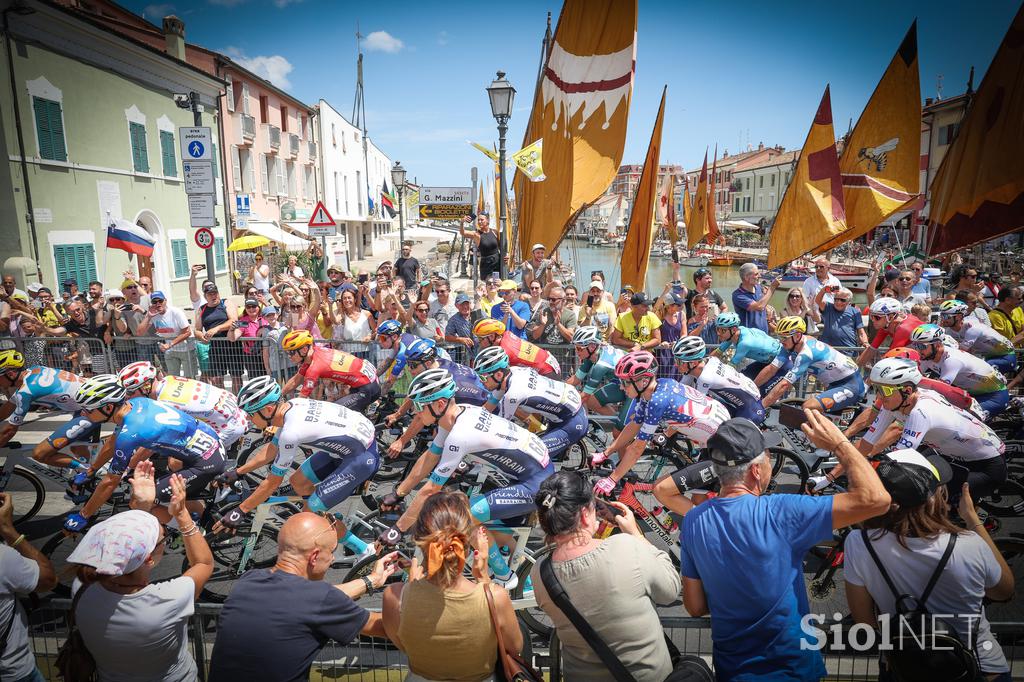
x=522, y=353
x=978, y=339
x=950, y=431
x=901, y=337
x=965, y=371
x=164, y=430
x=554, y=401
x=738, y=393
x=213, y=406
x=683, y=409
x=401, y=353
x=468, y=388
x=594, y=374
x=957, y=397
x=821, y=359
x=45, y=386
x=335, y=365
x=753, y=345
x=321, y=427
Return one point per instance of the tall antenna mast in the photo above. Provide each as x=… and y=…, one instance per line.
x=359, y=118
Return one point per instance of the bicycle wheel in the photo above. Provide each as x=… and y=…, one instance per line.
x=1013, y=450
x=1012, y=549
x=575, y=457
x=789, y=472
x=27, y=493
x=1008, y=500
x=227, y=552
x=367, y=527
x=533, y=617
x=823, y=576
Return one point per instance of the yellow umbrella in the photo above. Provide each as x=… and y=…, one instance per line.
x=249, y=241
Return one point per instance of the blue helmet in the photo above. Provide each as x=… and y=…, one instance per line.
x=727, y=320
x=421, y=350
x=389, y=328
x=490, y=360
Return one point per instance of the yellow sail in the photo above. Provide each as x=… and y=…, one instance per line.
x=697, y=222
x=636, y=252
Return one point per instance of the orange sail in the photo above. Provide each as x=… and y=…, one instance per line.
x=697, y=224
x=712, y=211
x=636, y=252
x=687, y=208
x=666, y=213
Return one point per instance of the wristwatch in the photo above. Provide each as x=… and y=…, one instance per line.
x=369, y=585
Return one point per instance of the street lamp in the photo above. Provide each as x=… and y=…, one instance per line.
x=501, y=94
x=398, y=180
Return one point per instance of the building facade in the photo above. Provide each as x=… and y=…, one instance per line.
x=757, y=187
x=724, y=169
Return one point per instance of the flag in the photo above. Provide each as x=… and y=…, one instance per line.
x=811, y=211
x=580, y=111
x=528, y=160
x=686, y=201
x=493, y=156
x=978, y=192
x=881, y=161
x=387, y=201
x=712, y=211
x=666, y=207
x=370, y=206
x=697, y=226
x=636, y=252
x=125, y=236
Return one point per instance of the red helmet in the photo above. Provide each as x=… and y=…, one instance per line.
x=639, y=363
x=903, y=352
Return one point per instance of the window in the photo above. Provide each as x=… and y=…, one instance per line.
x=264, y=109
x=265, y=173
x=359, y=191
x=279, y=186
x=245, y=98
x=788, y=176
x=946, y=134
x=50, y=130
x=773, y=180
x=140, y=156
x=337, y=208
x=75, y=261
x=737, y=205
x=229, y=96
x=248, y=172
x=168, y=162
x=334, y=140
x=284, y=119
x=179, y=255
x=746, y=183
x=220, y=255
x=236, y=169
x=310, y=190
x=291, y=179
x=344, y=185
x=760, y=182
x=216, y=160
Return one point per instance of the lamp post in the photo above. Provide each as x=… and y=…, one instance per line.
x=398, y=180
x=501, y=93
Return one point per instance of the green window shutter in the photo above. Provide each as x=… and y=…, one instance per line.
x=179, y=254
x=220, y=254
x=170, y=164
x=216, y=160
x=140, y=155
x=77, y=261
x=49, y=129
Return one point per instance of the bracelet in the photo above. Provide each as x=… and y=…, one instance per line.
x=369, y=585
x=191, y=530
x=980, y=523
x=19, y=540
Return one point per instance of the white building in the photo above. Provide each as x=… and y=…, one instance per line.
x=757, y=188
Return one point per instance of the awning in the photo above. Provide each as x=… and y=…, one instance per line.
x=423, y=232
x=276, y=234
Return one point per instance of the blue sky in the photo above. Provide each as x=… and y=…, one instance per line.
x=737, y=72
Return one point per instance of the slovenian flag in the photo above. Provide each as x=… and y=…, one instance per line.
x=126, y=236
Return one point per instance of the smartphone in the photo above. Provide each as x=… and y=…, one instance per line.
x=605, y=511
x=590, y=300
x=126, y=306
x=791, y=417
x=834, y=288
x=363, y=277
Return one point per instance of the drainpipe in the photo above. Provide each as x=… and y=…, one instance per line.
x=222, y=118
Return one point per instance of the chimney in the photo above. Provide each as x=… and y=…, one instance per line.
x=174, y=37
x=928, y=101
x=760, y=146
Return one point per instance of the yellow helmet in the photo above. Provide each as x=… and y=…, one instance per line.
x=488, y=327
x=297, y=339
x=11, y=359
x=788, y=326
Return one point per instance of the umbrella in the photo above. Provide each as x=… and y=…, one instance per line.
x=249, y=241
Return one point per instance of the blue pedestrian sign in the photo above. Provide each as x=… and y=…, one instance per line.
x=196, y=149
x=196, y=143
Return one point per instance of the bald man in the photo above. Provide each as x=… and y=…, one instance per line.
x=275, y=621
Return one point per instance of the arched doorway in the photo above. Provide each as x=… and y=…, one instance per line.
x=154, y=267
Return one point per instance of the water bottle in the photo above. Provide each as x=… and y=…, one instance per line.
x=664, y=518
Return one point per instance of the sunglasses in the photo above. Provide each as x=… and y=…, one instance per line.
x=887, y=391
x=423, y=310
x=252, y=306
x=842, y=300
x=134, y=286
x=795, y=296
x=116, y=300
x=877, y=318
x=296, y=307
x=293, y=352
x=906, y=279
x=442, y=291
x=555, y=300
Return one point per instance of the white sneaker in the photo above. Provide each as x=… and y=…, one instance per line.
x=509, y=582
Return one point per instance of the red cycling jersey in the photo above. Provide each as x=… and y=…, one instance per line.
x=901, y=337
x=957, y=397
x=335, y=365
x=525, y=354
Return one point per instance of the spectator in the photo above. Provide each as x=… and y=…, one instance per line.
x=170, y=324
x=213, y=320
x=750, y=298
x=408, y=268
x=10, y=288
x=622, y=305
x=460, y=643
x=537, y=269
x=248, y=327
x=69, y=290
x=137, y=305
x=841, y=323
x=491, y=296
x=572, y=300
x=335, y=280
x=536, y=297
x=702, y=281
x=352, y=325
x=460, y=326
x=1006, y=317
x=755, y=624
x=975, y=307
x=598, y=276
x=513, y=312
x=298, y=317
x=251, y=293
x=552, y=323
x=89, y=325
x=293, y=269
x=49, y=312
x=146, y=285
x=965, y=278
x=133, y=628
x=33, y=293
x=821, y=278
x=797, y=305
x=275, y=621
x=486, y=242
x=442, y=307
x=273, y=358
x=702, y=323
x=630, y=575
x=909, y=539
x=904, y=286
x=669, y=308
x=922, y=286
x=637, y=328
x=259, y=273
x=597, y=311
x=922, y=311
x=315, y=254
x=23, y=569
x=419, y=323
x=118, y=335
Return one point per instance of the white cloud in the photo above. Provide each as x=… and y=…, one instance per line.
x=274, y=68
x=442, y=38
x=157, y=12
x=383, y=41
x=281, y=4
x=227, y=3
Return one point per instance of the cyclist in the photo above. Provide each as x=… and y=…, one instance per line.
x=892, y=321
x=215, y=407
x=839, y=374
x=467, y=431
x=711, y=376
x=983, y=381
x=522, y=392
x=602, y=393
x=752, y=349
x=342, y=446
x=977, y=338
x=321, y=362
x=144, y=428
x=521, y=353
x=391, y=337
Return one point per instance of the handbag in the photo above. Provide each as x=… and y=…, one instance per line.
x=684, y=668
x=74, y=662
x=513, y=667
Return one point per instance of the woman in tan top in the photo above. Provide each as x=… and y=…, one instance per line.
x=439, y=618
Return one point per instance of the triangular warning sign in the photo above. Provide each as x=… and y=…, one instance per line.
x=320, y=217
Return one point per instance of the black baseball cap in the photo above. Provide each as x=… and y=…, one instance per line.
x=910, y=477
x=700, y=272
x=639, y=298
x=738, y=441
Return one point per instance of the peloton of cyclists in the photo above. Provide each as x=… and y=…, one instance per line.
x=321, y=362
x=711, y=376
x=521, y=353
x=390, y=337
x=983, y=381
x=892, y=321
x=595, y=376
x=976, y=338
x=747, y=349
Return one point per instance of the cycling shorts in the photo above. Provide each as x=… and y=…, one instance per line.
x=753, y=369
x=754, y=411
x=358, y=399
x=842, y=394
x=514, y=501
x=197, y=476
x=698, y=477
x=78, y=429
x=994, y=403
x=983, y=477
x=559, y=438
x=1006, y=364
x=336, y=478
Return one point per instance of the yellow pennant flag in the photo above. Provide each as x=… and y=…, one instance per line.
x=492, y=155
x=811, y=212
x=881, y=161
x=528, y=160
x=697, y=223
x=480, y=205
x=687, y=208
x=712, y=210
x=636, y=252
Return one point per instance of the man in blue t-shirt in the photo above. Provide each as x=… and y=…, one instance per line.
x=841, y=322
x=750, y=299
x=512, y=311
x=742, y=552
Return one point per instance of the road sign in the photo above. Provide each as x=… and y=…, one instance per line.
x=242, y=206
x=320, y=217
x=444, y=211
x=198, y=177
x=200, y=210
x=446, y=195
x=323, y=231
x=196, y=143
x=204, y=237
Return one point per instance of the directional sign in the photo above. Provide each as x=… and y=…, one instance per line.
x=200, y=210
x=204, y=237
x=320, y=217
x=446, y=195
x=199, y=177
x=443, y=211
x=196, y=143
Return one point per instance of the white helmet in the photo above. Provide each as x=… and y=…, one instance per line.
x=586, y=335
x=886, y=306
x=952, y=307
x=100, y=390
x=895, y=372
x=689, y=349
x=136, y=374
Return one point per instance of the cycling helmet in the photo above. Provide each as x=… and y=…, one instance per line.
x=788, y=326
x=389, y=328
x=895, y=372
x=257, y=393
x=953, y=307
x=638, y=363
x=689, y=348
x=886, y=306
x=432, y=385
x=488, y=327
x=490, y=360
x=136, y=374
x=586, y=335
x=297, y=339
x=100, y=390
x=727, y=320
x=903, y=352
x=11, y=359
x=421, y=350
x=927, y=333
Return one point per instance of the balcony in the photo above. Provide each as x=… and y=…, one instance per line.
x=312, y=151
x=273, y=136
x=293, y=144
x=248, y=124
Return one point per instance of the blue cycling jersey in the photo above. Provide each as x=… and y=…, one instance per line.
x=468, y=388
x=821, y=359
x=45, y=386
x=404, y=341
x=753, y=345
x=164, y=430
x=683, y=408
x=593, y=374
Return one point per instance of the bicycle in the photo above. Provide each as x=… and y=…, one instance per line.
x=24, y=487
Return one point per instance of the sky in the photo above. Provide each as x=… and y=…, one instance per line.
x=739, y=72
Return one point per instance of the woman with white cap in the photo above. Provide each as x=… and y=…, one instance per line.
x=135, y=629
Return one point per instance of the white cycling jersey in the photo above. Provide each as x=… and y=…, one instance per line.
x=215, y=407
x=555, y=401
x=981, y=340
x=934, y=422
x=966, y=371
x=320, y=427
x=725, y=383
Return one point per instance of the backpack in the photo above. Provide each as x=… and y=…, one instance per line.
x=924, y=648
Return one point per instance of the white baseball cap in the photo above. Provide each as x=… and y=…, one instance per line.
x=596, y=284
x=538, y=246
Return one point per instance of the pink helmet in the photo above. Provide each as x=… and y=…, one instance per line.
x=638, y=363
x=133, y=376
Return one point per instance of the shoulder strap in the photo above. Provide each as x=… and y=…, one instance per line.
x=931, y=581
x=494, y=617
x=561, y=599
x=878, y=563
